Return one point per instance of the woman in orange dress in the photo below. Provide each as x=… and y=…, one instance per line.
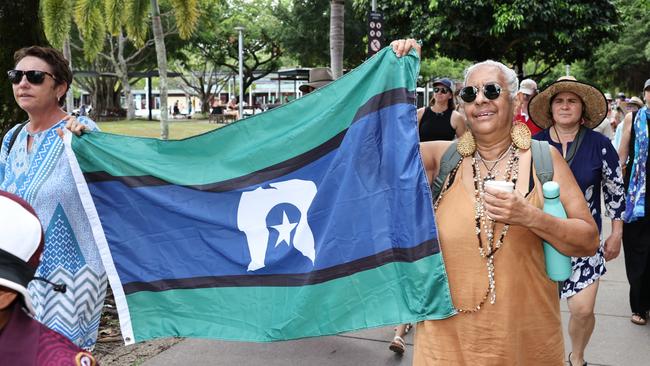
x=508, y=309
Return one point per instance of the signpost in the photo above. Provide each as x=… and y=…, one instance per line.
x=375, y=32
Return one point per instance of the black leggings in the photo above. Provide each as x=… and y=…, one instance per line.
x=636, y=245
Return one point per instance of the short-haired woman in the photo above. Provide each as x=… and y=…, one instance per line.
x=36, y=168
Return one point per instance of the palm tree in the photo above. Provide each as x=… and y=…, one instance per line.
x=161, y=55
x=115, y=16
x=186, y=13
x=337, y=11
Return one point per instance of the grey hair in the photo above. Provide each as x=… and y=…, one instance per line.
x=509, y=74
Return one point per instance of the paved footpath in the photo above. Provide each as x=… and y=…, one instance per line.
x=616, y=341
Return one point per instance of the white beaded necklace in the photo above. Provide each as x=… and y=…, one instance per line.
x=482, y=219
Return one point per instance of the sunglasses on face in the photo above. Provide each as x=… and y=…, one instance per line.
x=33, y=76
x=491, y=91
x=440, y=90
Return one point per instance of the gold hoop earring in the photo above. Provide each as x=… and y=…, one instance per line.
x=466, y=144
x=520, y=135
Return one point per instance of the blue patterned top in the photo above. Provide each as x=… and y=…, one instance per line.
x=596, y=165
x=42, y=176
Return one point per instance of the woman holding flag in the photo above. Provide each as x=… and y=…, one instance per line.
x=508, y=310
x=33, y=165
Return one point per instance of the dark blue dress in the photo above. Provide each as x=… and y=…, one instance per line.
x=595, y=168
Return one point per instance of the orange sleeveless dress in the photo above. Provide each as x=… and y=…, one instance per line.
x=523, y=326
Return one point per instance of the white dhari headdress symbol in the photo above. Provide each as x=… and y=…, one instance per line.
x=254, y=207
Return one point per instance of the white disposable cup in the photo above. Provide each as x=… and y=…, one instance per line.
x=501, y=185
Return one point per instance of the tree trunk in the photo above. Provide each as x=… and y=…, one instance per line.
x=161, y=55
x=104, y=98
x=128, y=94
x=67, y=53
x=123, y=74
x=337, y=12
x=519, y=65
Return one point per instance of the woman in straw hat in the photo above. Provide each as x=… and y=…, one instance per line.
x=567, y=110
x=508, y=309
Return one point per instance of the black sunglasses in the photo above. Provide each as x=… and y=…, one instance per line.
x=440, y=90
x=491, y=91
x=33, y=76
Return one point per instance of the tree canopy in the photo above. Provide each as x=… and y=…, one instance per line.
x=606, y=40
x=515, y=31
x=217, y=40
x=624, y=62
x=18, y=28
x=305, y=32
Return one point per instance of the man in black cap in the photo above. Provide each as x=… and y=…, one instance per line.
x=23, y=340
x=633, y=155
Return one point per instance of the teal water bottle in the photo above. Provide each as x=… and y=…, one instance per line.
x=558, y=265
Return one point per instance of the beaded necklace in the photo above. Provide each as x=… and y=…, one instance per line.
x=491, y=172
x=489, y=249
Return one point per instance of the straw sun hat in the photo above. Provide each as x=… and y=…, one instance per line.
x=632, y=101
x=594, y=102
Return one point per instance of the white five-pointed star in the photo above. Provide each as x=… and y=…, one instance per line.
x=284, y=230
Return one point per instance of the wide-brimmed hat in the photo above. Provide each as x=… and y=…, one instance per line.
x=318, y=77
x=21, y=245
x=595, y=104
x=634, y=101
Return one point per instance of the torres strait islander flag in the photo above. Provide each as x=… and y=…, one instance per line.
x=311, y=219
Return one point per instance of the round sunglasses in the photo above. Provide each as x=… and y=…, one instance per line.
x=33, y=76
x=491, y=91
x=440, y=90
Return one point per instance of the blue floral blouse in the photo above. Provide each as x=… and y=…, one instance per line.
x=596, y=168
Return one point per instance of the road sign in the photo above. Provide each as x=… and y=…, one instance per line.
x=375, y=32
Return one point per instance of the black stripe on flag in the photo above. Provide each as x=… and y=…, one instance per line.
x=427, y=248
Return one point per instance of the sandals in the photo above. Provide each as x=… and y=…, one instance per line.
x=571, y=364
x=639, y=319
x=398, y=345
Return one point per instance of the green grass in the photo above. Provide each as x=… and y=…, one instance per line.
x=178, y=129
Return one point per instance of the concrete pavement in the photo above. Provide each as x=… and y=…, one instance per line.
x=616, y=341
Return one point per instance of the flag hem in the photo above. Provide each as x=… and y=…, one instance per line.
x=100, y=240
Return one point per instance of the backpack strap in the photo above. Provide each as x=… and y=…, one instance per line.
x=449, y=160
x=14, y=136
x=571, y=152
x=542, y=158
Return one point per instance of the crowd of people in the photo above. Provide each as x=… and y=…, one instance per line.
x=491, y=240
